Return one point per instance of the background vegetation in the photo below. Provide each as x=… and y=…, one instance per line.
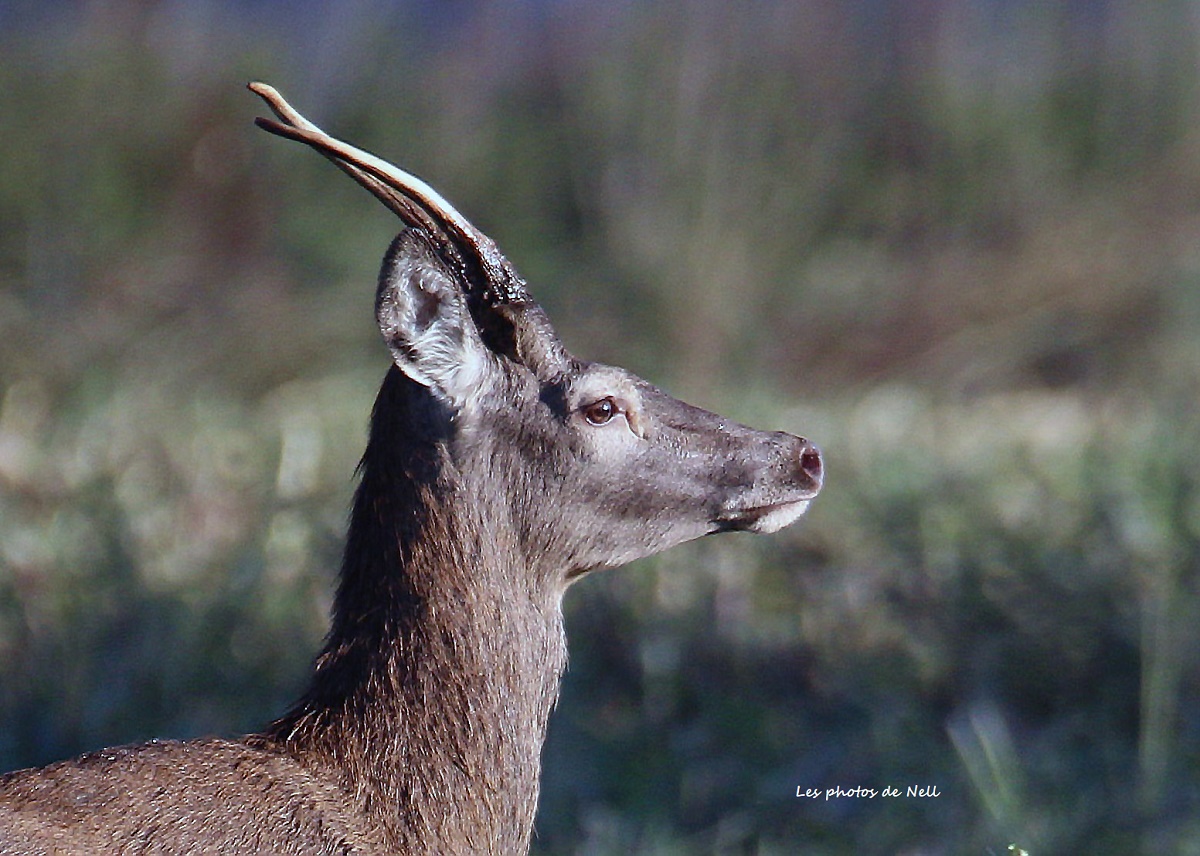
x=957, y=243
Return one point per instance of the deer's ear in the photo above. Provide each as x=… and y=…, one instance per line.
x=423, y=316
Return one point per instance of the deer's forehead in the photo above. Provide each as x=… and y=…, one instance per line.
x=591, y=382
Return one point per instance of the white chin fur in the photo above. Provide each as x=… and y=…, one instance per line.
x=777, y=518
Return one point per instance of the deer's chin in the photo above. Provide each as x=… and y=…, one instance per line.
x=767, y=519
x=780, y=516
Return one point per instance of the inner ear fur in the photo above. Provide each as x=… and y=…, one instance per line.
x=425, y=321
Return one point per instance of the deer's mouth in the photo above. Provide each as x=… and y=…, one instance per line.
x=775, y=517
x=805, y=477
x=763, y=519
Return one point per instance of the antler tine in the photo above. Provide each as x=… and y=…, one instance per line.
x=355, y=162
x=414, y=201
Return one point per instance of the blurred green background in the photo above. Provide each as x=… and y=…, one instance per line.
x=956, y=243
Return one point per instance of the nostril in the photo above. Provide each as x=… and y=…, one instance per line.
x=810, y=462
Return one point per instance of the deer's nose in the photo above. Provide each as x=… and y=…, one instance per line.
x=810, y=468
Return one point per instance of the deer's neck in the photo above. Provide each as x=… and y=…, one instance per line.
x=430, y=700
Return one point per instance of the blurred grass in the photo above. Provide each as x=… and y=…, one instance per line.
x=956, y=244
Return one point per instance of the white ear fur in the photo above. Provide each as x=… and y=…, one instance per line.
x=423, y=316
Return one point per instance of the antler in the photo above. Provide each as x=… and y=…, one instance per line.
x=414, y=201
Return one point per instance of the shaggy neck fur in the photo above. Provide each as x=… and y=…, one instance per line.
x=430, y=700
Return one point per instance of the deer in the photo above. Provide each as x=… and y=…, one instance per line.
x=499, y=469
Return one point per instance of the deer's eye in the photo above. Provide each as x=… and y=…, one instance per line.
x=601, y=412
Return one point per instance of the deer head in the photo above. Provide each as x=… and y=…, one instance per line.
x=593, y=465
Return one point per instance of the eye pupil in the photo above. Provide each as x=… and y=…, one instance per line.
x=600, y=412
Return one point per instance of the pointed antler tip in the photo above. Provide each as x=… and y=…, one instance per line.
x=271, y=125
x=279, y=106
